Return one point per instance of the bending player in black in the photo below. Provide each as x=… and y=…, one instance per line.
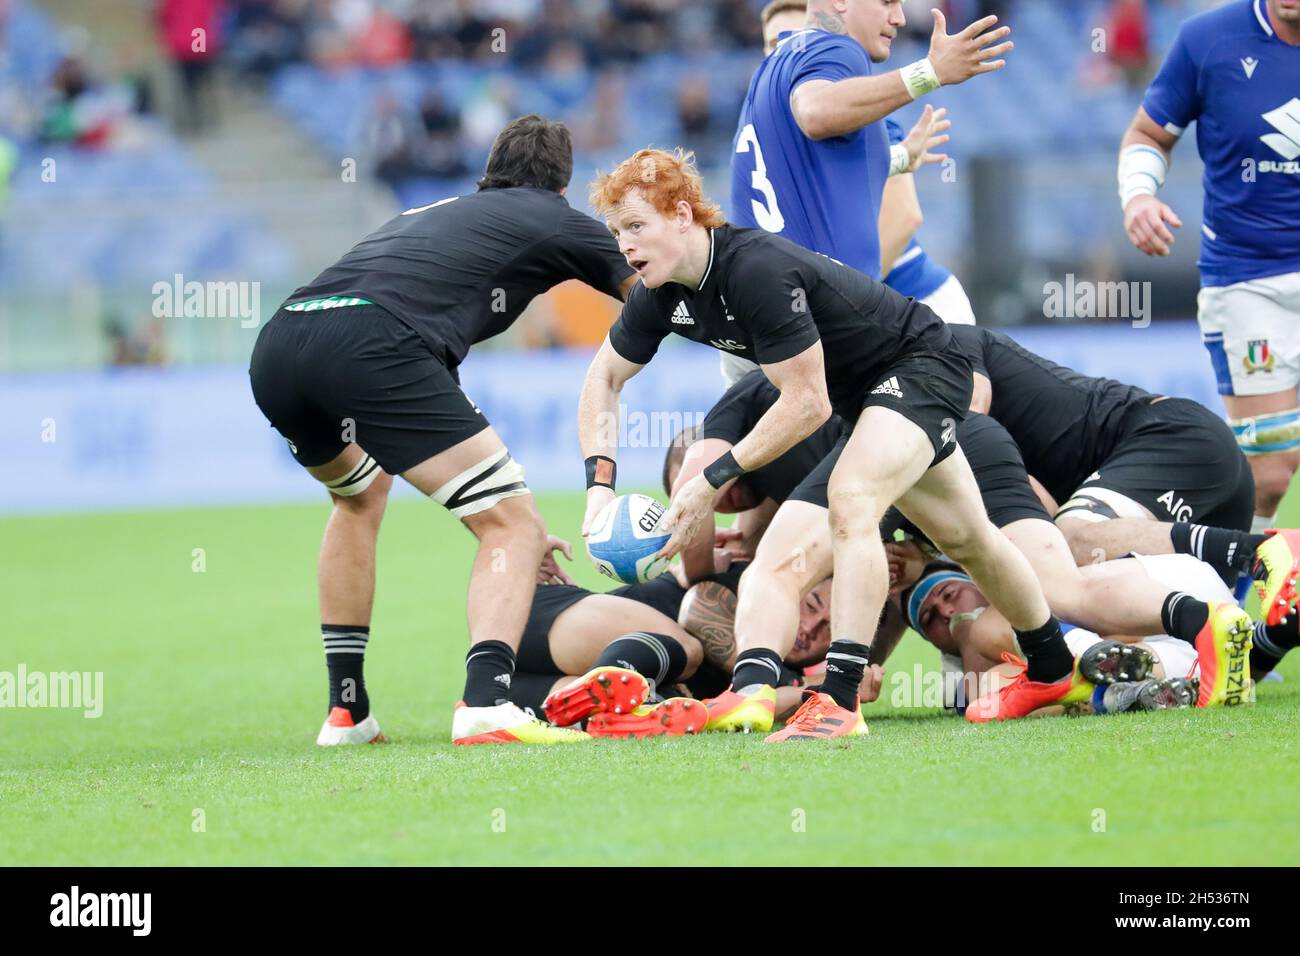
x=826, y=336
x=358, y=371
x=795, y=554
x=1133, y=472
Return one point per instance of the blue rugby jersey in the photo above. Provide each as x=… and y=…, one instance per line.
x=822, y=194
x=1229, y=71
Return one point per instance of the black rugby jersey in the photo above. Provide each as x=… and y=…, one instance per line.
x=1065, y=423
x=461, y=270
x=767, y=299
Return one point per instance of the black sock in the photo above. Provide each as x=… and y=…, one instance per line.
x=845, y=662
x=1271, y=642
x=656, y=657
x=1228, y=552
x=528, y=691
x=1046, y=652
x=758, y=666
x=489, y=666
x=1183, y=616
x=345, y=658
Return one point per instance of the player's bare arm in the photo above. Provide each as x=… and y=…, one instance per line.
x=697, y=553
x=598, y=422
x=802, y=408
x=708, y=613
x=824, y=109
x=900, y=217
x=1044, y=495
x=752, y=523
x=1144, y=158
x=981, y=398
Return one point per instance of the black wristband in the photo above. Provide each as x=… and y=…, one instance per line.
x=601, y=471
x=723, y=470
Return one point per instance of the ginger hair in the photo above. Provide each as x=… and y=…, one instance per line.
x=664, y=178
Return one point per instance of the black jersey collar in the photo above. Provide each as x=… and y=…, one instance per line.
x=708, y=270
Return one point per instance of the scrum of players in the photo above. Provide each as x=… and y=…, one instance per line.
x=1069, y=544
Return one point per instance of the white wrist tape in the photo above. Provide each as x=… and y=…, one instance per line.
x=958, y=619
x=920, y=78
x=899, y=159
x=1141, y=171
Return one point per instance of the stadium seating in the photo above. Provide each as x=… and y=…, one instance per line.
x=111, y=216
x=1041, y=111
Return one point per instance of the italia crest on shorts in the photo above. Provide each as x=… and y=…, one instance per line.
x=1258, y=358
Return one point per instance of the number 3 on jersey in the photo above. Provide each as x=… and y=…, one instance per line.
x=767, y=213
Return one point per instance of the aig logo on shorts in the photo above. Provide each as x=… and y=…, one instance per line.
x=1174, y=503
x=1258, y=357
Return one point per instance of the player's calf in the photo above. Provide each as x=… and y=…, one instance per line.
x=346, y=578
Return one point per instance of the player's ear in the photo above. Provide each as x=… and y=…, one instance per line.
x=685, y=215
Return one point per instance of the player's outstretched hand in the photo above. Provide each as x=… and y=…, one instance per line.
x=873, y=678
x=928, y=133
x=690, y=507
x=1147, y=221
x=969, y=53
x=597, y=497
x=905, y=562
x=550, y=572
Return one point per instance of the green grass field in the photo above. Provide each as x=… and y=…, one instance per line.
x=214, y=689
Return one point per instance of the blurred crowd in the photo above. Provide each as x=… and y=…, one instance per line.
x=551, y=35
x=580, y=42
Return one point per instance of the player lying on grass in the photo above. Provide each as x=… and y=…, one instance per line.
x=1132, y=471
x=794, y=554
x=358, y=372
x=947, y=609
x=828, y=337
x=638, y=659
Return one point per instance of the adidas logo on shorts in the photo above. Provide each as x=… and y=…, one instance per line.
x=888, y=387
x=681, y=316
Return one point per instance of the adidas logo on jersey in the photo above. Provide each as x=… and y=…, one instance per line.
x=888, y=387
x=681, y=315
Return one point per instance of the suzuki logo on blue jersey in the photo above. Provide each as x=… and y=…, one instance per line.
x=1286, y=120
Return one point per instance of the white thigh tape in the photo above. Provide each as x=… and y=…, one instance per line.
x=484, y=485
x=357, y=480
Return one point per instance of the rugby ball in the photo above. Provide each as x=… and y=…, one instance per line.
x=624, y=538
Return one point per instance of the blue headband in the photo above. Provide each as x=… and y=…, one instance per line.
x=922, y=591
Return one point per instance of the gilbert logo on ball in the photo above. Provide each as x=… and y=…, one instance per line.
x=624, y=538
